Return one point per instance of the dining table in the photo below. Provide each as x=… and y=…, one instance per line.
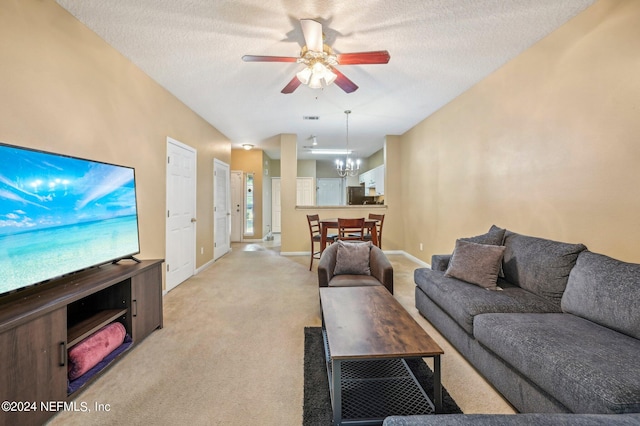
x=326, y=224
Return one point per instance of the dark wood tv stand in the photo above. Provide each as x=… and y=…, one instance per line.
x=38, y=325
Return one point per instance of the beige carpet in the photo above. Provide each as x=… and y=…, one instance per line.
x=231, y=350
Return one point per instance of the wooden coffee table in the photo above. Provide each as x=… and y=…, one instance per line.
x=367, y=335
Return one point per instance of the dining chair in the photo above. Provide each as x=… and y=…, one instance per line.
x=379, y=223
x=315, y=232
x=379, y=218
x=351, y=229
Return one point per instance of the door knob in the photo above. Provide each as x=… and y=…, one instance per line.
x=193, y=220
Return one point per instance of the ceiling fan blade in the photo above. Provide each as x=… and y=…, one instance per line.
x=344, y=83
x=377, y=57
x=293, y=85
x=258, y=58
x=312, y=31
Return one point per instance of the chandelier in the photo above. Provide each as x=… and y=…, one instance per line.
x=347, y=167
x=317, y=72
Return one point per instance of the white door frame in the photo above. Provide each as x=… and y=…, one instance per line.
x=185, y=243
x=221, y=209
x=237, y=206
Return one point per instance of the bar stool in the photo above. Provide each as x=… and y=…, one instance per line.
x=379, y=223
x=316, y=236
x=351, y=229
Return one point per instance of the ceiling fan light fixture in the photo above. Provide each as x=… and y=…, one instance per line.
x=319, y=68
x=247, y=146
x=316, y=80
x=321, y=62
x=304, y=75
x=317, y=73
x=329, y=77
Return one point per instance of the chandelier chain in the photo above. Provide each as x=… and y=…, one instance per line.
x=348, y=167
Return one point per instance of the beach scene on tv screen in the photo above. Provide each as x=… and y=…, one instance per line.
x=60, y=214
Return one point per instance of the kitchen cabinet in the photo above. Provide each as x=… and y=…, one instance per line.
x=362, y=177
x=373, y=180
x=379, y=180
x=369, y=180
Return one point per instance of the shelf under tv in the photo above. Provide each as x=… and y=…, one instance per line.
x=92, y=324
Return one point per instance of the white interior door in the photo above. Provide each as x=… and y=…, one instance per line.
x=276, y=210
x=221, y=209
x=181, y=213
x=237, y=206
x=305, y=191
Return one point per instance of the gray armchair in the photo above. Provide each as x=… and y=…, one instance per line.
x=381, y=270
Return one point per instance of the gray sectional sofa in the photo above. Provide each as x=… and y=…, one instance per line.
x=560, y=334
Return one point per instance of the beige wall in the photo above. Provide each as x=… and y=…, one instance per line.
x=274, y=170
x=63, y=89
x=547, y=145
x=306, y=168
x=395, y=216
x=376, y=159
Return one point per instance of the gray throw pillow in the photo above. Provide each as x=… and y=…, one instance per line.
x=539, y=265
x=477, y=264
x=494, y=237
x=352, y=258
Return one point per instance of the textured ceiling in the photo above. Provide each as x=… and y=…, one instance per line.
x=438, y=48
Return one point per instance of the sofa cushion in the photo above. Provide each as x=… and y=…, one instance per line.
x=440, y=262
x=353, y=258
x=605, y=291
x=539, y=265
x=493, y=237
x=463, y=301
x=587, y=367
x=476, y=263
x=353, y=281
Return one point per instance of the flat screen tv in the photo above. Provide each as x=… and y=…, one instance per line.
x=61, y=214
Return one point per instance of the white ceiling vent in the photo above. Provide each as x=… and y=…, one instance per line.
x=310, y=117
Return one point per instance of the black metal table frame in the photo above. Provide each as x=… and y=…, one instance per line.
x=335, y=376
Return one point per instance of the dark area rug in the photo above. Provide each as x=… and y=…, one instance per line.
x=317, y=401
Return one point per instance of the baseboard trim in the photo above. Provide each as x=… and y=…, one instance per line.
x=415, y=259
x=203, y=267
x=295, y=253
x=393, y=251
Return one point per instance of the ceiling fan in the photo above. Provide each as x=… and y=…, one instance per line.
x=320, y=61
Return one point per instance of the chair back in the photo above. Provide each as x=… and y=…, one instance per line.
x=351, y=229
x=380, y=219
x=314, y=225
